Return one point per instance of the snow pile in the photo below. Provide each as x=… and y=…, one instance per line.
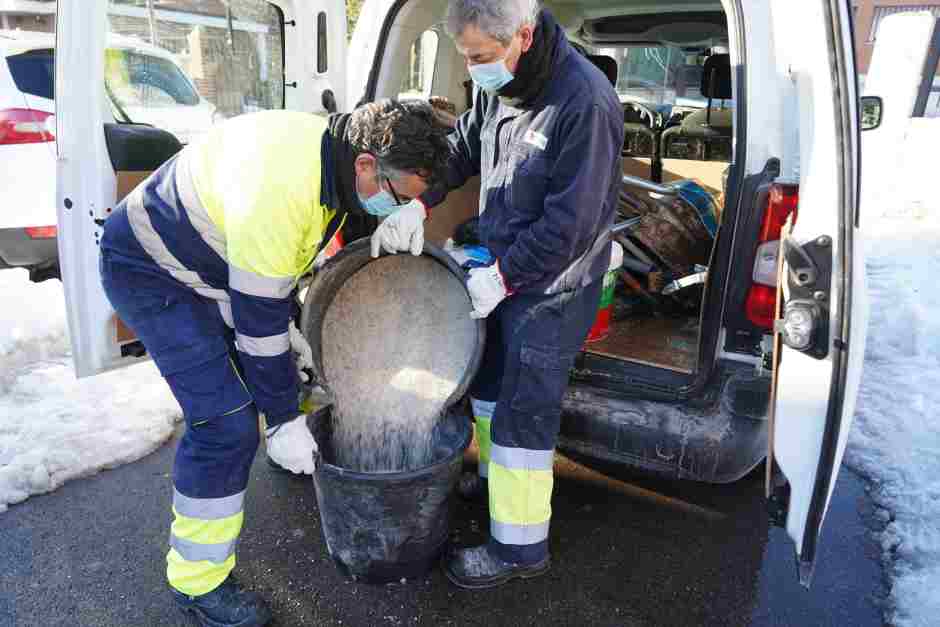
x=53, y=427
x=896, y=438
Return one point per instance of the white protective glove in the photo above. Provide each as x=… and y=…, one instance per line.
x=291, y=446
x=403, y=230
x=303, y=354
x=487, y=289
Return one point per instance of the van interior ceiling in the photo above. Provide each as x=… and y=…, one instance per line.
x=673, y=75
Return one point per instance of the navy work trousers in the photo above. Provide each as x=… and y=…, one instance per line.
x=195, y=352
x=532, y=342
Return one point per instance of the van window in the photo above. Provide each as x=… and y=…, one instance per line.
x=658, y=75
x=146, y=80
x=186, y=65
x=34, y=72
x=419, y=74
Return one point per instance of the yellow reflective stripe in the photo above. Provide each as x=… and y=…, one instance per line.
x=520, y=497
x=258, y=177
x=217, y=531
x=270, y=346
x=208, y=509
x=196, y=578
x=519, y=534
x=482, y=429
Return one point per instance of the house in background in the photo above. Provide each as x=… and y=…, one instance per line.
x=31, y=15
x=868, y=17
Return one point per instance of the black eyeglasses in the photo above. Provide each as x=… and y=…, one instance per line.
x=388, y=182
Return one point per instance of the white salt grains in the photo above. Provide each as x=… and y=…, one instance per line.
x=397, y=340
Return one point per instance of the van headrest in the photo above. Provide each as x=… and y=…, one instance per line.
x=607, y=65
x=716, y=77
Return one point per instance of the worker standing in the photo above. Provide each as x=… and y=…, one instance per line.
x=545, y=133
x=201, y=261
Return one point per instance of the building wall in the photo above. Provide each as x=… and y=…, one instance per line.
x=865, y=12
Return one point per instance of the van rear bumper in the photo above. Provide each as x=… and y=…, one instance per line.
x=715, y=439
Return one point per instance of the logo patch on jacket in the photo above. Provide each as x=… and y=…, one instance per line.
x=536, y=139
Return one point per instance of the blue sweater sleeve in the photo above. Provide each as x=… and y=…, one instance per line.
x=574, y=204
x=464, y=161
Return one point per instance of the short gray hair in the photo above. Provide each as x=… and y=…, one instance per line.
x=500, y=19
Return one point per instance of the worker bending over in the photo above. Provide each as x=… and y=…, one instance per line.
x=202, y=260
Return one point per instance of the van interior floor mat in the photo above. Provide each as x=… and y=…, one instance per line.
x=670, y=343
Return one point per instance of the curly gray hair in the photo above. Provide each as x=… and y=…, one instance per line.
x=500, y=19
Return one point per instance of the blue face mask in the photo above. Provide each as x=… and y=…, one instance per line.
x=491, y=77
x=381, y=204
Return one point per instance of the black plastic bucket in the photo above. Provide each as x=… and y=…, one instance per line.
x=383, y=527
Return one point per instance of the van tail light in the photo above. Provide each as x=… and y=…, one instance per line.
x=42, y=232
x=26, y=126
x=761, y=305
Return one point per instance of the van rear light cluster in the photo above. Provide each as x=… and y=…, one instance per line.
x=761, y=305
x=42, y=232
x=26, y=126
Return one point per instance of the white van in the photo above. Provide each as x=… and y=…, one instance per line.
x=755, y=101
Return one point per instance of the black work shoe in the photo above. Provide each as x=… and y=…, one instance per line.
x=472, y=487
x=477, y=568
x=226, y=606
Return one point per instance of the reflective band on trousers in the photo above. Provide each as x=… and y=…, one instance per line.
x=507, y=533
x=520, y=488
x=253, y=284
x=482, y=429
x=483, y=416
x=208, y=509
x=270, y=346
x=196, y=578
x=151, y=241
x=195, y=552
x=203, y=537
x=482, y=409
x=521, y=458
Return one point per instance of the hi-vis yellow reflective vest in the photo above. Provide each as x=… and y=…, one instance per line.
x=237, y=217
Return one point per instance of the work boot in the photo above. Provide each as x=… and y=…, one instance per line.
x=479, y=567
x=226, y=606
x=472, y=487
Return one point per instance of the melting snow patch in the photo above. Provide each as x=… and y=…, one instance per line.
x=896, y=439
x=54, y=427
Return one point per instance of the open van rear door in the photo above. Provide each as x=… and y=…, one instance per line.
x=823, y=303
x=241, y=56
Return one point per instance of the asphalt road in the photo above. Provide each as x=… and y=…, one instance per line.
x=92, y=554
